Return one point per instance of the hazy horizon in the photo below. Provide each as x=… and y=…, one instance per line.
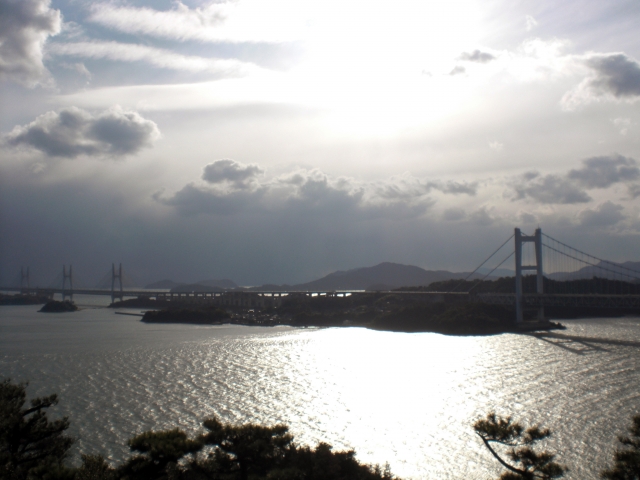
x=277, y=142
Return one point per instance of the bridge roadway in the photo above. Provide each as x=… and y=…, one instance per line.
x=244, y=298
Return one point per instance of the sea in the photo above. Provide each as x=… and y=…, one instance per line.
x=409, y=399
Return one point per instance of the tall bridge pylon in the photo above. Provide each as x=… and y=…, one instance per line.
x=116, y=276
x=67, y=276
x=24, y=278
x=536, y=238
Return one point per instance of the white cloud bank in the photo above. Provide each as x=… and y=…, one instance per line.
x=25, y=26
x=129, y=52
x=74, y=132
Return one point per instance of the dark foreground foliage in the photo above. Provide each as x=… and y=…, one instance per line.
x=524, y=461
x=34, y=448
x=31, y=446
x=627, y=457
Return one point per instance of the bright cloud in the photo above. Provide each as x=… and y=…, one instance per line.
x=128, y=52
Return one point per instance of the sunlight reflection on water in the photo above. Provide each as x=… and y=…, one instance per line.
x=408, y=399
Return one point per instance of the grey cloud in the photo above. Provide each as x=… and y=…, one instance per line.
x=25, y=26
x=612, y=75
x=193, y=200
x=457, y=188
x=616, y=74
x=527, y=218
x=602, y=172
x=596, y=172
x=229, y=171
x=550, y=189
x=482, y=217
x=457, y=70
x=72, y=132
x=605, y=215
x=634, y=191
x=453, y=214
x=308, y=192
x=406, y=187
x=477, y=56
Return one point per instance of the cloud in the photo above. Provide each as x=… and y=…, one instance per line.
x=497, y=146
x=181, y=23
x=453, y=214
x=569, y=188
x=604, y=215
x=477, y=56
x=482, y=217
x=25, y=26
x=231, y=172
x=72, y=132
x=457, y=70
x=129, y=52
x=220, y=21
x=613, y=76
x=634, y=191
x=623, y=124
x=530, y=23
x=230, y=186
x=550, y=189
x=602, y=172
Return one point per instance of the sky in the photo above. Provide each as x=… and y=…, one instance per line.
x=276, y=141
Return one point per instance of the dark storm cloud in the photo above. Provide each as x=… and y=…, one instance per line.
x=453, y=214
x=570, y=188
x=604, y=215
x=229, y=171
x=602, y=172
x=25, y=26
x=615, y=74
x=72, y=132
x=477, y=56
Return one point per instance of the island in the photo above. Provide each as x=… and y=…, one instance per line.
x=54, y=306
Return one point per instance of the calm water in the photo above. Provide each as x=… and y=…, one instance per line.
x=409, y=399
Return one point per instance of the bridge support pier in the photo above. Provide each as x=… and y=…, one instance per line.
x=24, y=280
x=519, y=240
x=116, y=276
x=67, y=276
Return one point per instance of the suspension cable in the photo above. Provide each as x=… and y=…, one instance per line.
x=494, y=269
x=593, y=264
x=592, y=256
x=480, y=266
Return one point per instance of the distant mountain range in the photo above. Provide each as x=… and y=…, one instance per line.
x=591, y=271
x=216, y=285
x=384, y=276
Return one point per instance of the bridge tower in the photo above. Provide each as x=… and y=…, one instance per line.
x=24, y=279
x=67, y=276
x=519, y=240
x=116, y=276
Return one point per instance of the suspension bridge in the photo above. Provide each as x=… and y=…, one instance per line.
x=548, y=273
